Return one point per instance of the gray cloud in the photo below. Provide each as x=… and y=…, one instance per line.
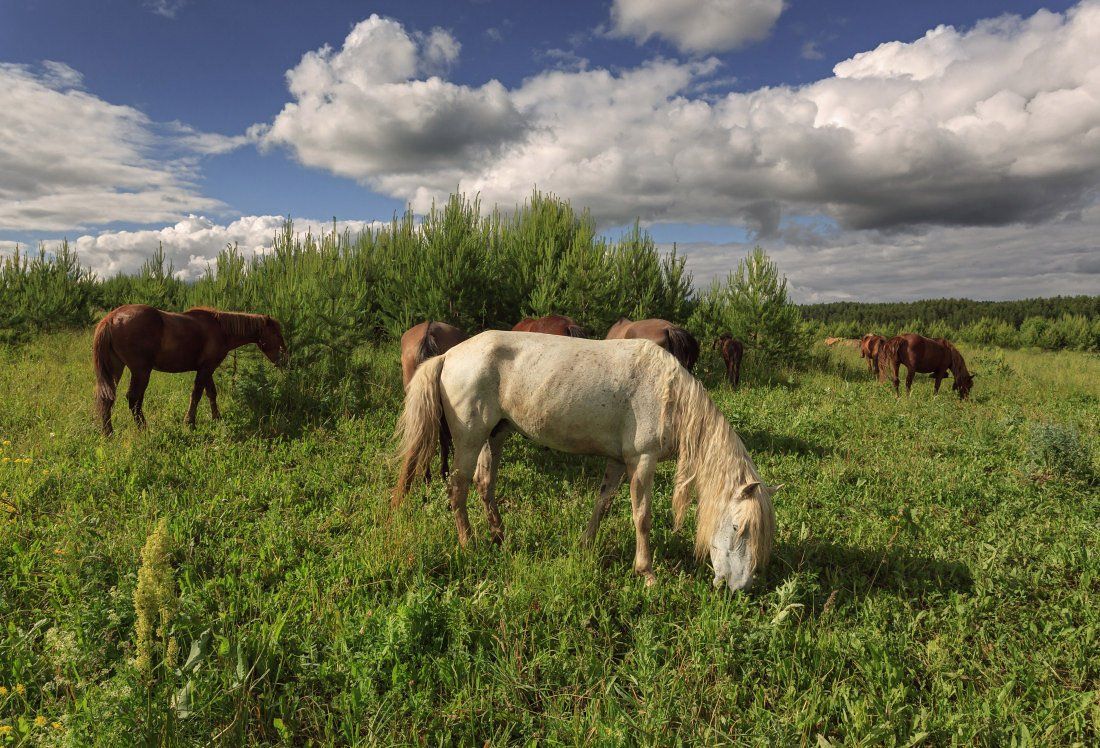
x=696, y=26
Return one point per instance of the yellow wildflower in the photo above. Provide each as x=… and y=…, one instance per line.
x=58, y=726
x=6, y=459
x=41, y=721
x=20, y=689
x=5, y=729
x=3, y=690
x=6, y=442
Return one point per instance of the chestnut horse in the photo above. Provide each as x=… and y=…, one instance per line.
x=732, y=350
x=554, y=324
x=925, y=356
x=673, y=338
x=421, y=342
x=418, y=344
x=869, y=346
x=143, y=338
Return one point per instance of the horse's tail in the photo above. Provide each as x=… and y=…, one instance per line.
x=575, y=331
x=888, y=354
x=419, y=427
x=428, y=348
x=101, y=357
x=683, y=345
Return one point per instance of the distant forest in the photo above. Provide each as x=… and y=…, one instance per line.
x=954, y=313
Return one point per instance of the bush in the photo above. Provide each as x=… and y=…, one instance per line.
x=1059, y=450
x=754, y=307
x=44, y=294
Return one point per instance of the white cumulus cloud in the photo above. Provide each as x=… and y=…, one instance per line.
x=696, y=26
x=992, y=125
x=70, y=159
x=190, y=244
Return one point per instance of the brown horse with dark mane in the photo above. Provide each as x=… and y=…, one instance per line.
x=421, y=342
x=418, y=344
x=143, y=339
x=924, y=356
x=732, y=350
x=869, y=346
x=673, y=338
x=554, y=324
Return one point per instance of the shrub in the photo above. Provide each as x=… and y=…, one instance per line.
x=1059, y=450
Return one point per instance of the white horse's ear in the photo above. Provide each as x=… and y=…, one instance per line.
x=748, y=487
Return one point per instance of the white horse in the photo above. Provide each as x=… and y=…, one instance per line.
x=627, y=400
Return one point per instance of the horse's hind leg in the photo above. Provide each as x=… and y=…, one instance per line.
x=135, y=395
x=909, y=381
x=488, y=463
x=612, y=477
x=465, y=463
x=641, y=495
x=896, y=366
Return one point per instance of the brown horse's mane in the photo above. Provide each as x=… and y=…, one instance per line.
x=958, y=365
x=239, y=324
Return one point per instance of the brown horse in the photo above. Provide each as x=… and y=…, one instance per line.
x=418, y=344
x=421, y=342
x=925, y=356
x=673, y=338
x=869, y=346
x=554, y=324
x=732, y=350
x=143, y=338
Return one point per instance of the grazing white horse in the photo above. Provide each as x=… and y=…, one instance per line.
x=627, y=400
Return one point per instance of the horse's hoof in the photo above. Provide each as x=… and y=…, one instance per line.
x=650, y=579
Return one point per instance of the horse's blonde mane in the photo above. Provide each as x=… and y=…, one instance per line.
x=240, y=324
x=713, y=463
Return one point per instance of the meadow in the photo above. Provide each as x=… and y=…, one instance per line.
x=935, y=580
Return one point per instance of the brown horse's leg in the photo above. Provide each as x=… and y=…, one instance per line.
x=135, y=395
x=196, y=396
x=736, y=374
x=641, y=494
x=897, y=382
x=939, y=378
x=487, y=467
x=612, y=477
x=212, y=396
x=909, y=381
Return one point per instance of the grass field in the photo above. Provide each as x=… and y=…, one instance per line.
x=935, y=581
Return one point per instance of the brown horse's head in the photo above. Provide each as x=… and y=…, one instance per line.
x=962, y=385
x=271, y=341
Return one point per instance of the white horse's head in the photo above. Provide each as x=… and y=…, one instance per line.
x=742, y=538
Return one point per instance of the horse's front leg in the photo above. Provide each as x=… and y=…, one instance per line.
x=196, y=396
x=939, y=378
x=212, y=396
x=612, y=477
x=641, y=495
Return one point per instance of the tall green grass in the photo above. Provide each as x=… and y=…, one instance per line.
x=931, y=584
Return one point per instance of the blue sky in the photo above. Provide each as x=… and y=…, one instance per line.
x=219, y=69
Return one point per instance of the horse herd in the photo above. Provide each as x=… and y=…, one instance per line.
x=919, y=355
x=630, y=399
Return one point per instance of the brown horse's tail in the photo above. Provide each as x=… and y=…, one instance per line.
x=101, y=361
x=888, y=354
x=428, y=348
x=105, y=382
x=575, y=331
x=419, y=427
x=683, y=345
